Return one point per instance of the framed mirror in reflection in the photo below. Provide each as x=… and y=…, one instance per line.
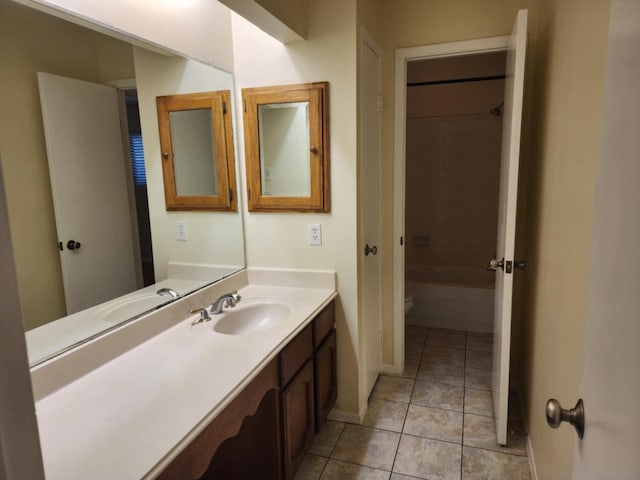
x=94, y=248
x=286, y=136
x=197, y=151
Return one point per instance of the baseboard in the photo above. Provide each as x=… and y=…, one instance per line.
x=344, y=416
x=530, y=456
x=390, y=369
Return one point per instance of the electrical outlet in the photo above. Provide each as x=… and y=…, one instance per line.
x=315, y=234
x=181, y=231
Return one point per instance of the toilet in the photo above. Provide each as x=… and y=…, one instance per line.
x=408, y=303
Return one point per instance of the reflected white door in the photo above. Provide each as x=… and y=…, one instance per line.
x=514, y=85
x=610, y=386
x=89, y=185
x=370, y=211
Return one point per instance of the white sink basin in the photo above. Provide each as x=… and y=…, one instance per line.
x=251, y=318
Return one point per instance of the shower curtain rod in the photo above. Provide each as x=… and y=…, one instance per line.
x=456, y=80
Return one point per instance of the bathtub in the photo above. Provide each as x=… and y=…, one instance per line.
x=450, y=297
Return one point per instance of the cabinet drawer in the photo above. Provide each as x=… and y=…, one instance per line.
x=324, y=323
x=295, y=354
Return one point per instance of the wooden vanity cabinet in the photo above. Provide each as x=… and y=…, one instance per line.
x=268, y=428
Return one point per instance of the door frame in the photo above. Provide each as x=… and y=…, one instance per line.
x=404, y=56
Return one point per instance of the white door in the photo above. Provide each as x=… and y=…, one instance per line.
x=370, y=109
x=610, y=386
x=514, y=84
x=89, y=185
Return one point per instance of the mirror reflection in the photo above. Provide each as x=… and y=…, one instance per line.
x=69, y=289
x=194, y=154
x=284, y=147
x=198, y=161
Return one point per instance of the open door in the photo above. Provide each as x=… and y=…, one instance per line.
x=504, y=262
x=610, y=385
x=370, y=268
x=89, y=185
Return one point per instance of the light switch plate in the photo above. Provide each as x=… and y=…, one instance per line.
x=181, y=231
x=315, y=234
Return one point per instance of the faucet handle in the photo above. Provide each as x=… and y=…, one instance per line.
x=204, y=316
x=234, y=299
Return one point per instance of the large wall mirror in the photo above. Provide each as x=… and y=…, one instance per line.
x=80, y=276
x=196, y=139
x=286, y=147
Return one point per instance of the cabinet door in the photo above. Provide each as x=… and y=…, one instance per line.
x=326, y=379
x=298, y=424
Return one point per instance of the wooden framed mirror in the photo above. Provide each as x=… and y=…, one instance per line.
x=196, y=141
x=286, y=136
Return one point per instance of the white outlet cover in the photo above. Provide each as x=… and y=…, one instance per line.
x=181, y=231
x=315, y=234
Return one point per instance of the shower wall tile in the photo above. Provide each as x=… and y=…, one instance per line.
x=452, y=167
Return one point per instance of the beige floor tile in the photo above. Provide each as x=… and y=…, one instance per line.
x=485, y=465
x=480, y=432
x=413, y=351
x=476, y=378
x=441, y=373
x=434, y=423
x=446, y=355
x=480, y=334
x=327, y=438
x=483, y=344
x=311, y=467
x=336, y=470
x=443, y=339
x=385, y=414
x=367, y=446
x=415, y=334
x=393, y=388
x=478, y=402
x=426, y=458
x=410, y=368
x=399, y=476
x=478, y=359
x=438, y=395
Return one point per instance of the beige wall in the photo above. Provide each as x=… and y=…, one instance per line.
x=569, y=80
x=214, y=238
x=280, y=239
x=31, y=42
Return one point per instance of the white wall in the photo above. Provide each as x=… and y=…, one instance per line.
x=280, y=239
x=199, y=29
x=213, y=237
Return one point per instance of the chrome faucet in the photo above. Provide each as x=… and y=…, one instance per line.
x=168, y=291
x=229, y=300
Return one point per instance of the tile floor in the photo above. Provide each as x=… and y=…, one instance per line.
x=434, y=422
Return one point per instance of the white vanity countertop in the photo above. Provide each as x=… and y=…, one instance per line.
x=128, y=418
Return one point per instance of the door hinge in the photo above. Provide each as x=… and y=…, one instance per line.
x=401, y=241
x=244, y=102
x=380, y=337
x=249, y=193
x=380, y=103
x=230, y=195
x=224, y=108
